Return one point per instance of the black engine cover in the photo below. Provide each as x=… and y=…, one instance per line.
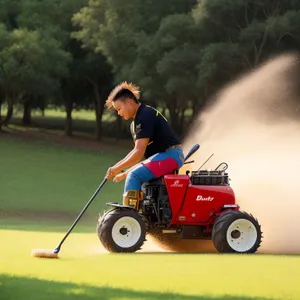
x=156, y=207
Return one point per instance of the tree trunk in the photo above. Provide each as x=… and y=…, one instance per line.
x=175, y=119
x=69, y=108
x=99, y=109
x=26, y=112
x=118, y=128
x=9, y=113
x=0, y=115
x=182, y=119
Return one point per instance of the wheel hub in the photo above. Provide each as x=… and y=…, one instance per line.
x=235, y=234
x=124, y=230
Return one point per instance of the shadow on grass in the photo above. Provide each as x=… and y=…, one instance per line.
x=20, y=288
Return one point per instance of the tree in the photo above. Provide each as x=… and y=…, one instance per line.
x=30, y=64
x=98, y=73
x=244, y=34
x=127, y=42
x=174, y=71
x=53, y=19
x=87, y=86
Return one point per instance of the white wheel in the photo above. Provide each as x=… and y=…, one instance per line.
x=241, y=235
x=236, y=231
x=122, y=230
x=126, y=232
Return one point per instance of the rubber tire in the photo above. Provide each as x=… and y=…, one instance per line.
x=102, y=217
x=173, y=243
x=106, y=223
x=221, y=226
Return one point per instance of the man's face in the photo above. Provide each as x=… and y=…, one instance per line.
x=124, y=108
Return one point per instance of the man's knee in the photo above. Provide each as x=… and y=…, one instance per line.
x=140, y=174
x=132, y=183
x=132, y=175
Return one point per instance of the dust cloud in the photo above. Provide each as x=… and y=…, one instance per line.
x=254, y=126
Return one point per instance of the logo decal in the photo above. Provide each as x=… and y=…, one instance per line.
x=176, y=184
x=200, y=198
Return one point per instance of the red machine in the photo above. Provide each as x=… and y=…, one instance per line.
x=198, y=205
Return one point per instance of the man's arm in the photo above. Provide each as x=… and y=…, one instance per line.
x=132, y=158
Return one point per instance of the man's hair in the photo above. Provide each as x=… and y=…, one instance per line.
x=123, y=91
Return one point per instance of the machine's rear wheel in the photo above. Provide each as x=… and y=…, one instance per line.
x=236, y=232
x=121, y=230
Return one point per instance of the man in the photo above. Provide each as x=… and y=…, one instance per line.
x=154, y=140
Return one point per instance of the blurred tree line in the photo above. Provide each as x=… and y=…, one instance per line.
x=70, y=53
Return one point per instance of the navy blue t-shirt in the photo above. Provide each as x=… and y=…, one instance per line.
x=150, y=123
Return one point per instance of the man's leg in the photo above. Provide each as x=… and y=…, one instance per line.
x=154, y=167
x=132, y=190
x=165, y=162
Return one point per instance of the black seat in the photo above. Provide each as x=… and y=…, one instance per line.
x=155, y=181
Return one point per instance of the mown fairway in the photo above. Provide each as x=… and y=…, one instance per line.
x=43, y=188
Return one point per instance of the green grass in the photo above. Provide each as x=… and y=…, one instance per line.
x=80, y=114
x=83, y=121
x=84, y=268
x=55, y=290
x=76, y=114
x=42, y=178
x=32, y=288
x=42, y=189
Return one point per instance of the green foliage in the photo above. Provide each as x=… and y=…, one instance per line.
x=52, y=17
x=179, y=52
x=4, y=36
x=106, y=27
x=9, y=12
x=31, y=63
x=216, y=62
x=42, y=63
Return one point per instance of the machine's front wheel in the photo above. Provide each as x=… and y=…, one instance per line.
x=122, y=230
x=236, y=232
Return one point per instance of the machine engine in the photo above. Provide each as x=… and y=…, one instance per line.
x=156, y=208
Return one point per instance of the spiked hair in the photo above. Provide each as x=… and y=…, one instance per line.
x=123, y=90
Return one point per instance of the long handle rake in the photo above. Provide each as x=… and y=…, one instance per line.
x=44, y=253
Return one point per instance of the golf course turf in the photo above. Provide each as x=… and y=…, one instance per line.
x=44, y=186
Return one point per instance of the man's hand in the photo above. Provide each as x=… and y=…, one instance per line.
x=111, y=172
x=120, y=177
